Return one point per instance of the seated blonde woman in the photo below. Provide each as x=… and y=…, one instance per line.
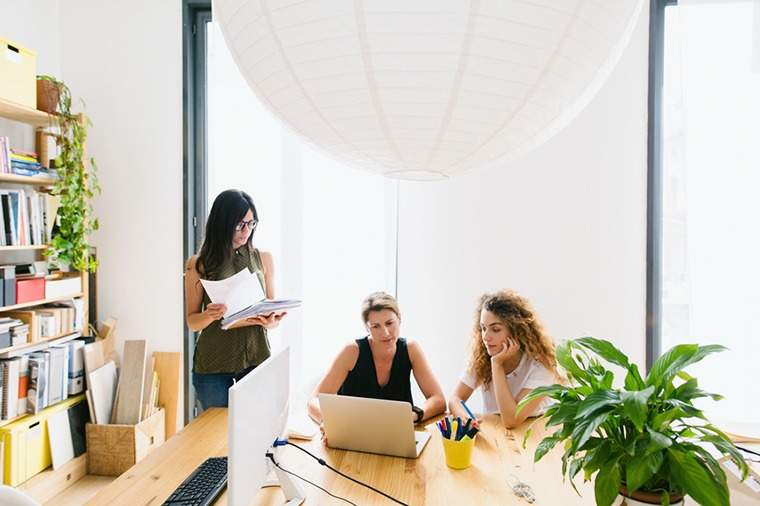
x=510, y=356
x=379, y=365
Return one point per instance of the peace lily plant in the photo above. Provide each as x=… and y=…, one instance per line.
x=645, y=437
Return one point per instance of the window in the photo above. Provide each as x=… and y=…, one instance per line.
x=708, y=171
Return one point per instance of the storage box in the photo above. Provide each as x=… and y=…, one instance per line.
x=27, y=445
x=61, y=287
x=112, y=449
x=18, y=66
x=29, y=289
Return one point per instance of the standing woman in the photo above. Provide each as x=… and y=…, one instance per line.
x=224, y=356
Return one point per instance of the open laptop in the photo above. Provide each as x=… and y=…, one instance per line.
x=371, y=425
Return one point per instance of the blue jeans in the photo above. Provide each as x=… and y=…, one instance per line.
x=211, y=389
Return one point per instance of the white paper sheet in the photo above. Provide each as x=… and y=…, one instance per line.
x=236, y=292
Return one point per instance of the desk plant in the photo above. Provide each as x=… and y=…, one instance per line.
x=646, y=441
x=76, y=187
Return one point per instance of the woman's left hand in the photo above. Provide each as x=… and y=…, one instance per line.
x=508, y=352
x=269, y=321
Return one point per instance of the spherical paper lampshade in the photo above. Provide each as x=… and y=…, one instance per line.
x=425, y=89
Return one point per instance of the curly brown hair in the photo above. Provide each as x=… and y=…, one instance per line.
x=519, y=317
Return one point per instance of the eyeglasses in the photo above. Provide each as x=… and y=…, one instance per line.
x=251, y=224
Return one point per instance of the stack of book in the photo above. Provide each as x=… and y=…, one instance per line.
x=25, y=163
x=8, y=332
x=32, y=382
x=22, y=163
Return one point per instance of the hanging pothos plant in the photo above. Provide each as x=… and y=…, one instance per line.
x=77, y=185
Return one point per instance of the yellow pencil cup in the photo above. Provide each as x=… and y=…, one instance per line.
x=458, y=453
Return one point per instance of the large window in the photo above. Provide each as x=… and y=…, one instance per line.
x=709, y=176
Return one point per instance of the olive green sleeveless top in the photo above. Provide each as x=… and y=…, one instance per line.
x=231, y=351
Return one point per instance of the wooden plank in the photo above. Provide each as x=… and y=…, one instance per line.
x=147, y=388
x=49, y=483
x=40, y=302
x=93, y=358
x=107, y=336
x=168, y=365
x=131, y=384
x=24, y=114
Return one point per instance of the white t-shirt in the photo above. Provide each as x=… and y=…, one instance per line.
x=529, y=373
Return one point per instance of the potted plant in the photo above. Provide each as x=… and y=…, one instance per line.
x=647, y=441
x=77, y=184
x=48, y=94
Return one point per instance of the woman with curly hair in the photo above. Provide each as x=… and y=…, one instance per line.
x=510, y=356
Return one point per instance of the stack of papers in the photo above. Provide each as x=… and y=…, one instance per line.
x=244, y=298
x=264, y=307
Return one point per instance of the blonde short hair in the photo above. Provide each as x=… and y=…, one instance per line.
x=377, y=302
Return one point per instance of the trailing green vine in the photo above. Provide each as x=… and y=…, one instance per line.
x=77, y=185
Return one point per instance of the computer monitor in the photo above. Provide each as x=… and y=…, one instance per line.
x=258, y=414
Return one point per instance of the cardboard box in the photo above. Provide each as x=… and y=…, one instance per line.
x=18, y=66
x=112, y=449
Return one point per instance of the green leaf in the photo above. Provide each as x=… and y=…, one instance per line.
x=672, y=360
x=640, y=469
x=565, y=412
x=695, y=479
x=658, y=441
x=544, y=447
x=552, y=391
x=583, y=431
x=566, y=360
x=604, y=349
x=633, y=380
x=635, y=406
x=596, y=401
x=607, y=485
x=597, y=457
x=675, y=359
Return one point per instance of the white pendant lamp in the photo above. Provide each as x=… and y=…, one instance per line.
x=426, y=89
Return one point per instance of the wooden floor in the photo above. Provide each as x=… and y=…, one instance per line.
x=81, y=491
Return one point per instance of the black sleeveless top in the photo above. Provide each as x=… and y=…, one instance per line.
x=362, y=379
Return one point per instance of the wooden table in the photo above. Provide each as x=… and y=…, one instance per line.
x=498, y=455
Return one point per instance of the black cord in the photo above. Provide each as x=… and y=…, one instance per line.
x=271, y=457
x=747, y=450
x=331, y=468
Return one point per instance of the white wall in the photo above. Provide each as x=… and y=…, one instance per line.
x=565, y=226
x=126, y=62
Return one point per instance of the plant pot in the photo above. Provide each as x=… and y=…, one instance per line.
x=644, y=498
x=48, y=95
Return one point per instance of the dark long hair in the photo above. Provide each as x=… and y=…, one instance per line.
x=229, y=209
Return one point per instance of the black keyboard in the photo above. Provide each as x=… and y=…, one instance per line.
x=203, y=486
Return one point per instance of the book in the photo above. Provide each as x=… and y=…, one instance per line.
x=263, y=307
x=37, y=383
x=10, y=373
x=23, y=383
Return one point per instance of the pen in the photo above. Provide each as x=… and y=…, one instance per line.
x=448, y=427
x=469, y=413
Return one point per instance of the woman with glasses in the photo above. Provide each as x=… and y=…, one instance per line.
x=223, y=356
x=510, y=356
x=380, y=364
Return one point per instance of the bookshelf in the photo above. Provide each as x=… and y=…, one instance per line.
x=29, y=253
